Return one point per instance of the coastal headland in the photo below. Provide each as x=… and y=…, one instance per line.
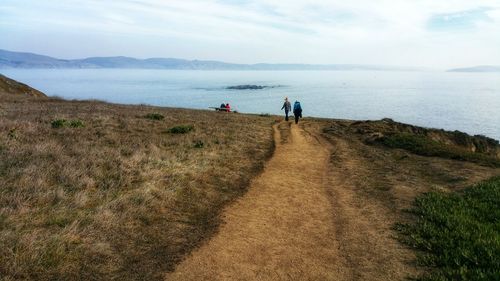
x=98, y=191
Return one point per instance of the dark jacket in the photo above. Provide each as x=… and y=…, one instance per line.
x=287, y=106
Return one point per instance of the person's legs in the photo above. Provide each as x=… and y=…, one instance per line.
x=296, y=119
x=286, y=115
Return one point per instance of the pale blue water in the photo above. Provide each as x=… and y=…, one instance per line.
x=469, y=102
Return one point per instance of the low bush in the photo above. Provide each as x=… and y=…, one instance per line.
x=76, y=124
x=154, y=116
x=183, y=129
x=458, y=234
x=58, y=123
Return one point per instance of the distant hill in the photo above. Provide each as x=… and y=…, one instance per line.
x=10, y=59
x=12, y=87
x=481, y=68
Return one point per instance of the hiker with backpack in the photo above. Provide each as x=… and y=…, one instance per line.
x=297, y=111
x=287, y=106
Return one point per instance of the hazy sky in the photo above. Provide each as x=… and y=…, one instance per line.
x=432, y=33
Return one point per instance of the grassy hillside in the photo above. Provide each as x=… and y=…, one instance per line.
x=95, y=191
x=428, y=142
x=454, y=223
x=13, y=90
x=458, y=234
x=427, y=147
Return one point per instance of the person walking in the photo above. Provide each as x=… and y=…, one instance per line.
x=297, y=111
x=287, y=106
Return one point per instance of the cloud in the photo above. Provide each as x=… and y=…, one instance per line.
x=469, y=19
x=375, y=32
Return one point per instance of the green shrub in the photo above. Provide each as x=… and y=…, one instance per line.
x=458, y=234
x=461, y=138
x=184, y=129
x=422, y=145
x=58, y=123
x=154, y=116
x=76, y=124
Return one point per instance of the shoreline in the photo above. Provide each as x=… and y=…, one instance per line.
x=322, y=118
x=424, y=103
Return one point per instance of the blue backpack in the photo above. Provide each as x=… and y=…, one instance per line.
x=296, y=106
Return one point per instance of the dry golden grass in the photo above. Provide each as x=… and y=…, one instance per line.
x=373, y=186
x=120, y=198
x=324, y=209
x=95, y=191
x=12, y=90
x=281, y=229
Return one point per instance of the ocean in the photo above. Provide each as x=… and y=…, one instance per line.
x=469, y=102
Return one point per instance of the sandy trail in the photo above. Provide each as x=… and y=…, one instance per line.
x=298, y=221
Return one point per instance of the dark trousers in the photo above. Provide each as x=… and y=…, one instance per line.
x=286, y=115
x=297, y=119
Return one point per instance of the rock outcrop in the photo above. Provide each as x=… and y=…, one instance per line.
x=248, y=87
x=374, y=131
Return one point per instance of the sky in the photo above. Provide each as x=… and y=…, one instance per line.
x=423, y=33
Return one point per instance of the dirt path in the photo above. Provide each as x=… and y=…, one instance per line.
x=300, y=220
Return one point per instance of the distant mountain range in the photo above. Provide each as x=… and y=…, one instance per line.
x=481, y=68
x=10, y=59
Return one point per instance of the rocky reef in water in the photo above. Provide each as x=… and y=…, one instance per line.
x=249, y=87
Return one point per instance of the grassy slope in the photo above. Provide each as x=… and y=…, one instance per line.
x=427, y=147
x=458, y=233
x=119, y=197
x=13, y=89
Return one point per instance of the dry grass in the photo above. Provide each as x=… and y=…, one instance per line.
x=12, y=89
x=324, y=209
x=282, y=228
x=397, y=175
x=95, y=191
x=120, y=198
x=383, y=184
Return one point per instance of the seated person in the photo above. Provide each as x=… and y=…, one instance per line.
x=222, y=107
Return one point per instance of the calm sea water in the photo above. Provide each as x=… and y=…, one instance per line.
x=468, y=102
